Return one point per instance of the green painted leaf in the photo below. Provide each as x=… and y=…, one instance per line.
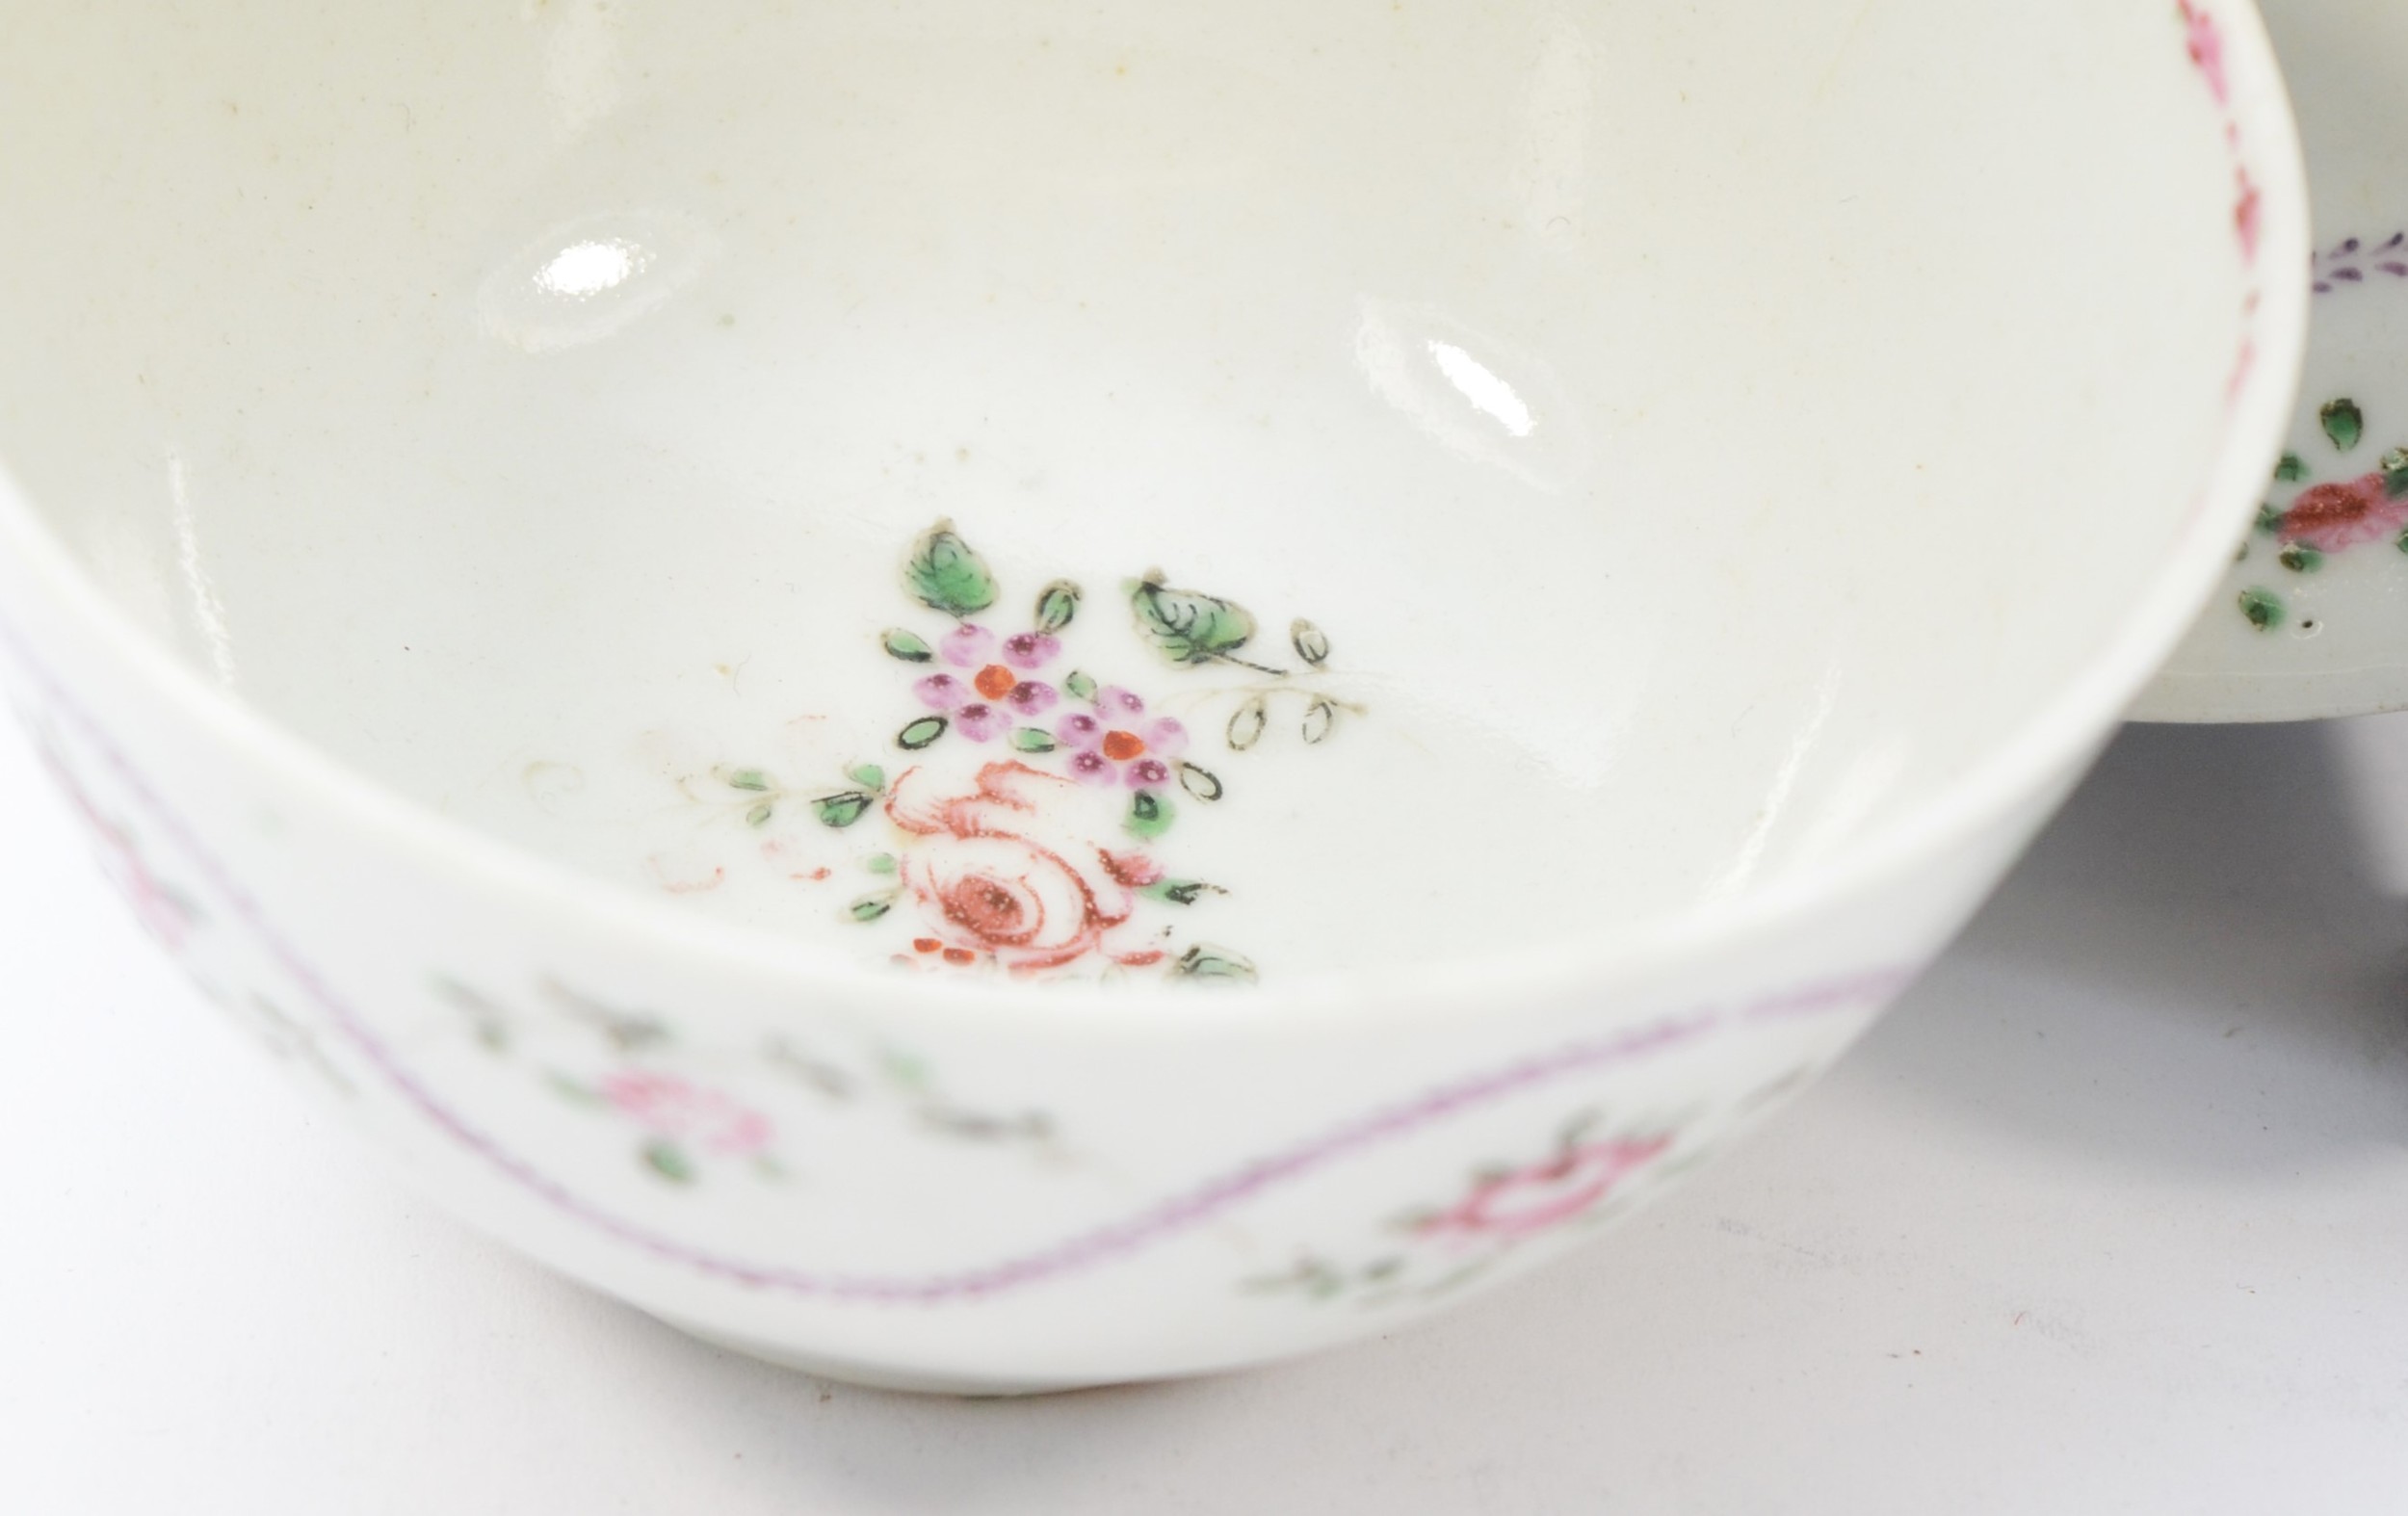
x=1033, y=740
x=753, y=780
x=2344, y=423
x=1214, y=963
x=1311, y=642
x=883, y=863
x=2264, y=608
x=908, y=646
x=867, y=776
x=2403, y=543
x=2301, y=558
x=1320, y=718
x=1188, y=627
x=569, y=1089
x=664, y=1158
x=759, y=815
x=1057, y=605
x=1079, y=685
x=1181, y=892
x=869, y=907
x=2394, y=467
x=2270, y=520
x=1149, y=815
x=946, y=575
x=842, y=810
x=921, y=733
x=1246, y=726
x=1202, y=783
x=2293, y=470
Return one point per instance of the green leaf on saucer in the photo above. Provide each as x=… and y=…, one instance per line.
x=1079, y=685
x=1188, y=627
x=753, y=780
x=2343, y=422
x=871, y=908
x=1202, y=783
x=664, y=1158
x=908, y=646
x=2270, y=520
x=2262, y=607
x=2301, y=558
x=1311, y=642
x=1214, y=963
x=1055, y=607
x=2394, y=467
x=842, y=810
x=882, y=863
x=867, y=776
x=1318, y=718
x=1149, y=815
x=759, y=815
x=1181, y=892
x=921, y=733
x=1245, y=726
x=1033, y=740
x=2293, y=470
x=946, y=575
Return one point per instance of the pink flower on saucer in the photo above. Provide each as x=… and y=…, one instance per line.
x=1115, y=744
x=985, y=705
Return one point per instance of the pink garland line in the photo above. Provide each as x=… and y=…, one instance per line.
x=1117, y=1240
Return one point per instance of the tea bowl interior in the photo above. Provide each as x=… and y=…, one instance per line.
x=1700, y=433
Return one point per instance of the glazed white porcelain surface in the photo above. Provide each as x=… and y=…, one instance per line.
x=549, y=545
x=2313, y=618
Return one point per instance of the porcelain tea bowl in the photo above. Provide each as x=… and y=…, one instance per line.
x=997, y=700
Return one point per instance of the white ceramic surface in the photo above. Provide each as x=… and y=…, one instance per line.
x=2313, y=618
x=1639, y=435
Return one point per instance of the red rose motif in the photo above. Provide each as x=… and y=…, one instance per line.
x=1013, y=870
x=1531, y=1200
x=2331, y=518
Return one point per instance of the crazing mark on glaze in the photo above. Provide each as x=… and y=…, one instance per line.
x=1035, y=851
x=2326, y=515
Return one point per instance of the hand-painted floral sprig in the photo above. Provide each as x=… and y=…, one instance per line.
x=1040, y=859
x=2354, y=259
x=2332, y=516
x=1193, y=628
x=1588, y=1177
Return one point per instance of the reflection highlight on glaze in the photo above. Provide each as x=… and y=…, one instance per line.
x=1488, y=394
x=589, y=278
x=1479, y=397
x=589, y=267
x=208, y=609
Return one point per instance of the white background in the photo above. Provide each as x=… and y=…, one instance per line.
x=2110, y=1214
